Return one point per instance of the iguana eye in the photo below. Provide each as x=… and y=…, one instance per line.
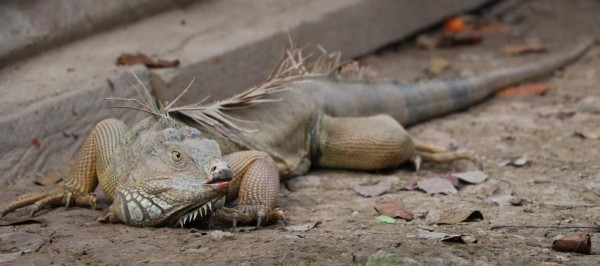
x=176, y=156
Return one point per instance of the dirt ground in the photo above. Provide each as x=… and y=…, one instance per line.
x=542, y=127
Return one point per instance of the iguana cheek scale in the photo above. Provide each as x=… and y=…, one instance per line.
x=184, y=163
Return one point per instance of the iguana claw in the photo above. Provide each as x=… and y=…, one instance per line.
x=57, y=195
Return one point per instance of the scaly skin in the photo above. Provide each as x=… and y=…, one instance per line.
x=165, y=171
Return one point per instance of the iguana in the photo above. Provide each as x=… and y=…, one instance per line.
x=183, y=163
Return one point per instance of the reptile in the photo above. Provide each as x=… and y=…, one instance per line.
x=189, y=163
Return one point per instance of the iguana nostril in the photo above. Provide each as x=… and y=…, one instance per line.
x=219, y=171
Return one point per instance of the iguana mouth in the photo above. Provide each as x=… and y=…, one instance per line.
x=202, y=211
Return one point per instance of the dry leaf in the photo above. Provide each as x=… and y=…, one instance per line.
x=578, y=243
x=411, y=184
x=141, y=58
x=521, y=161
x=521, y=49
x=454, y=217
x=302, y=228
x=452, y=179
x=437, y=65
x=525, y=90
x=375, y=190
x=49, y=179
x=501, y=197
x=436, y=185
x=589, y=134
x=455, y=24
x=474, y=177
x=394, y=208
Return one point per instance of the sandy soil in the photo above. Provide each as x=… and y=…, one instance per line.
x=500, y=128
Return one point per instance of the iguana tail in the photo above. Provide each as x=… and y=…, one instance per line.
x=410, y=103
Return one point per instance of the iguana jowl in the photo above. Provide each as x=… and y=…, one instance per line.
x=183, y=163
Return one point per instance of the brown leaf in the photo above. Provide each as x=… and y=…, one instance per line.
x=454, y=217
x=474, y=177
x=436, y=185
x=450, y=178
x=394, y=208
x=374, y=190
x=36, y=142
x=48, y=179
x=525, y=90
x=521, y=49
x=141, y=58
x=578, y=243
x=589, y=134
x=437, y=65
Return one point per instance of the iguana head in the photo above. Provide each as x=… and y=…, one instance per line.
x=171, y=173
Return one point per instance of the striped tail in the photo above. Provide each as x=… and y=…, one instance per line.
x=410, y=103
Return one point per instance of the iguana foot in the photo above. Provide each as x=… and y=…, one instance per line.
x=109, y=217
x=248, y=214
x=432, y=153
x=60, y=194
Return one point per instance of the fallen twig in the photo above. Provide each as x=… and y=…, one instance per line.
x=498, y=226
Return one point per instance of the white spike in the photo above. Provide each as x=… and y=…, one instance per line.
x=194, y=215
x=204, y=209
x=210, y=206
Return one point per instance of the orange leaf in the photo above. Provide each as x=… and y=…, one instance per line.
x=455, y=24
x=579, y=243
x=524, y=90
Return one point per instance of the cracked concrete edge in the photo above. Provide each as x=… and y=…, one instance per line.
x=355, y=30
x=47, y=134
x=28, y=27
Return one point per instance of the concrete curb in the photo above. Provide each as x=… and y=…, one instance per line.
x=28, y=27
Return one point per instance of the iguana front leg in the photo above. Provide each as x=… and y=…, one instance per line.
x=90, y=166
x=256, y=185
x=375, y=142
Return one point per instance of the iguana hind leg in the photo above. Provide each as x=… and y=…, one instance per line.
x=376, y=142
x=256, y=185
x=90, y=162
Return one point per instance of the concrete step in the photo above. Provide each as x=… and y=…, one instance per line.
x=48, y=102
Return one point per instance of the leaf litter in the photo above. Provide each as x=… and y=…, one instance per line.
x=373, y=190
x=395, y=209
x=457, y=216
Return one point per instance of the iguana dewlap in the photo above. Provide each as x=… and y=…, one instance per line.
x=183, y=163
